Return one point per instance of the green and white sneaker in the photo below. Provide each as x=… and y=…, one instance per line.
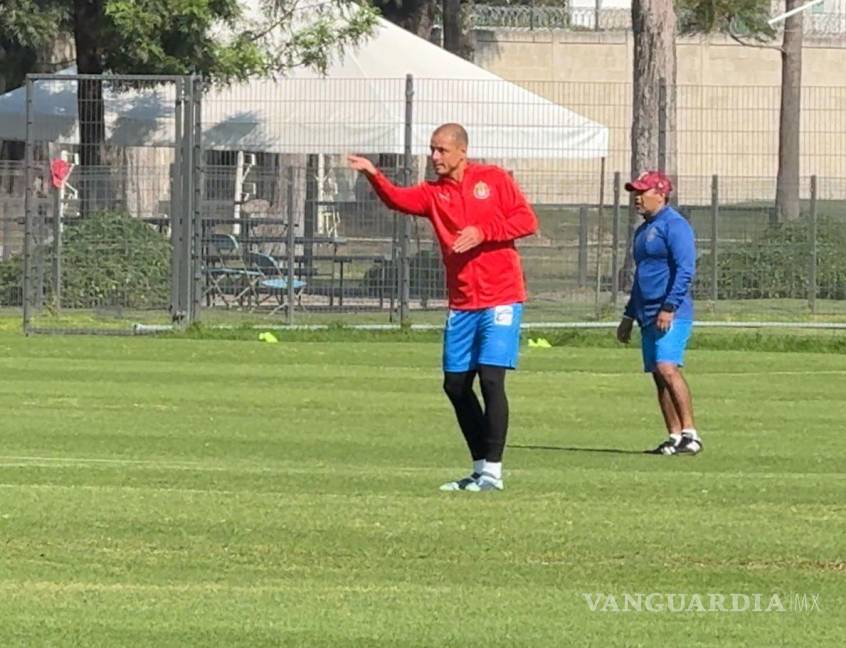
x=667, y=448
x=465, y=483
x=486, y=482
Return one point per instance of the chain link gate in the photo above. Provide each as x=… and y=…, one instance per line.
x=111, y=179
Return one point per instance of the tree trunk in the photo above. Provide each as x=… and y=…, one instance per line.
x=87, y=14
x=451, y=15
x=416, y=16
x=787, y=185
x=654, y=35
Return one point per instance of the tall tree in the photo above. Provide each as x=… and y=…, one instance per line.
x=746, y=22
x=416, y=16
x=451, y=25
x=789, y=118
x=653, y=84
x=455, y=24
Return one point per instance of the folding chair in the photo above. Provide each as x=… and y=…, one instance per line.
x=227, y=276
x=273, y=281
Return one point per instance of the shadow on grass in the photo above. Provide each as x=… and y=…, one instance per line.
x=568, y=449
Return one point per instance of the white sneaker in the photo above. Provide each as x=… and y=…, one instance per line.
x=465, y=483
x=690, y=444
x=486, y=482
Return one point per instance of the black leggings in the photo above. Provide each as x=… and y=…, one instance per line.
x=485, y=431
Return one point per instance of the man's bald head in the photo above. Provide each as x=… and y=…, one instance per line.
x=449, y=151
x=455, y=132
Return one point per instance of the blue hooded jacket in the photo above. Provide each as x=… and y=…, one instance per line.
x=665, y=256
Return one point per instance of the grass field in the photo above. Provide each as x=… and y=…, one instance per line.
x=181, y=492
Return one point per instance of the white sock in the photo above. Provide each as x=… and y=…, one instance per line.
x=690, y=432
x=494, y=469
x=676, y=438
x=478, y=466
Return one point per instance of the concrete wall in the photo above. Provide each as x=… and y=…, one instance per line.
x=728, y=99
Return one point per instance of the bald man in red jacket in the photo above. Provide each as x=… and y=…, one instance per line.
x=477, y=212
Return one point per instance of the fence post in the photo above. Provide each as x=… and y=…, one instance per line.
x=28, y=210
x=58, y=207
x=38, y=248
x=194, y=280
x=599, y=216
x=183, y=209
x=583, y=244
x=405, y=276
x=177, y=186
x=7, y=230
x=615, y=241
x=812, y=274
x=715, y=216
x=290, y=246
x=182, y=314
x=393, y=275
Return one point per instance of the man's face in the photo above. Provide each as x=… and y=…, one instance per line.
x=447, y=154
x=649, y=202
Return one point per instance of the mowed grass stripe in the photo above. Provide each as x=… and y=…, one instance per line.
x=194, y=492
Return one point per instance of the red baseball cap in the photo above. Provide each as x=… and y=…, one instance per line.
x=651, y=180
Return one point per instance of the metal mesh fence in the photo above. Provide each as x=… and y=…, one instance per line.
x=247, y=199
x=308, y=232
x=93, y=220
x=11, y=233
x=306, y=213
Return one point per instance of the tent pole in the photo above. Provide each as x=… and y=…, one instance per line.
x=405, y=235
x=239, y=190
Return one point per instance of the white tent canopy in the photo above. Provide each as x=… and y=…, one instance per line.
x=359, y=106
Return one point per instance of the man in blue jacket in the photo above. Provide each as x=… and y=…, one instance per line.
x=661, y=302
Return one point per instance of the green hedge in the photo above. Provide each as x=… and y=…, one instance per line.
x=777, y=264
x=11, y=281
x=108, y=259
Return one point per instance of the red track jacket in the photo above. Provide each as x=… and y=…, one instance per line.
x=489, y=274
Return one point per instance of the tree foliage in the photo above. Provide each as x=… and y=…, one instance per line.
x=31, y=23
x=224, y=40
x=26, y=26
x=416, y=16
x=746, y=18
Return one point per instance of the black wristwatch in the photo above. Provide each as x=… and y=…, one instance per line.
x=668, y=308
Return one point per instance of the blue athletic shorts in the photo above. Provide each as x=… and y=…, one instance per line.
x=489, y=336
x=665, y=346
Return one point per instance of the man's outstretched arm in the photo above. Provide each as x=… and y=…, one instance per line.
x=411, y=200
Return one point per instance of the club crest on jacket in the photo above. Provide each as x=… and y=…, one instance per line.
x=481, y=190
